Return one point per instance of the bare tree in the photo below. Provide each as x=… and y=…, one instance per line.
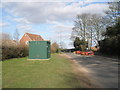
x=5, y=36
x=62, y=45
x=98, y=27
x=6, y=39
x=16, y=35
x=113, y=13
x=88, y=27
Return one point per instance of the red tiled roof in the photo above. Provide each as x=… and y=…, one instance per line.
x=34, y=37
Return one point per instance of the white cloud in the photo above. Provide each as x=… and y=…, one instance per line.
x=26, y=28
x=61, y=31
x=63, y=36
x=4, y=24
x=22, y=20
x=43, y=12
x=38, y=1
x=59, y=27
x=95, y=9
x=101, y=0
x=56, y=0
x=62, y=28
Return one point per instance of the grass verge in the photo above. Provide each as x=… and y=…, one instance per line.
x=54, y=73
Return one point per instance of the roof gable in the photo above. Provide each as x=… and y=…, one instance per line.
x=34, y=37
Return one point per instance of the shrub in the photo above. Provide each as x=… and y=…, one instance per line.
x=11, y=48
x=54, y=47
x=110, y=46
x=14, y=51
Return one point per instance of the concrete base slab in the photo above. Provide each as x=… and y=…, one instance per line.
x=39, y=59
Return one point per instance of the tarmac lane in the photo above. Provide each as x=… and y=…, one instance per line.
x=102, y=70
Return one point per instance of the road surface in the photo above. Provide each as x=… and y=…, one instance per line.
x=102, y=69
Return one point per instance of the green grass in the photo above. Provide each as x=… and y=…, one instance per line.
x=54, y=73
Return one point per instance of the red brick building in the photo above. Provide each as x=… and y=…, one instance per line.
x=30, y=37
x=95, y=48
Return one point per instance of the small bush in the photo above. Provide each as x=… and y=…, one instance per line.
x=54, y=47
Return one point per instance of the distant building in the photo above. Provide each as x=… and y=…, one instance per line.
x=95, y=48
x=30, y=37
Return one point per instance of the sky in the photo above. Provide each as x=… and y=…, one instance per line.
x=52, y=20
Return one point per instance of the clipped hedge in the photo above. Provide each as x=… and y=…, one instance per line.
x=15, y=51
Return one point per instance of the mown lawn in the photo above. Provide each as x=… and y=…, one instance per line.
x=54, y=73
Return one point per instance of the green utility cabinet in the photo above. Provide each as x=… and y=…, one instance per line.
x=39, y=49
